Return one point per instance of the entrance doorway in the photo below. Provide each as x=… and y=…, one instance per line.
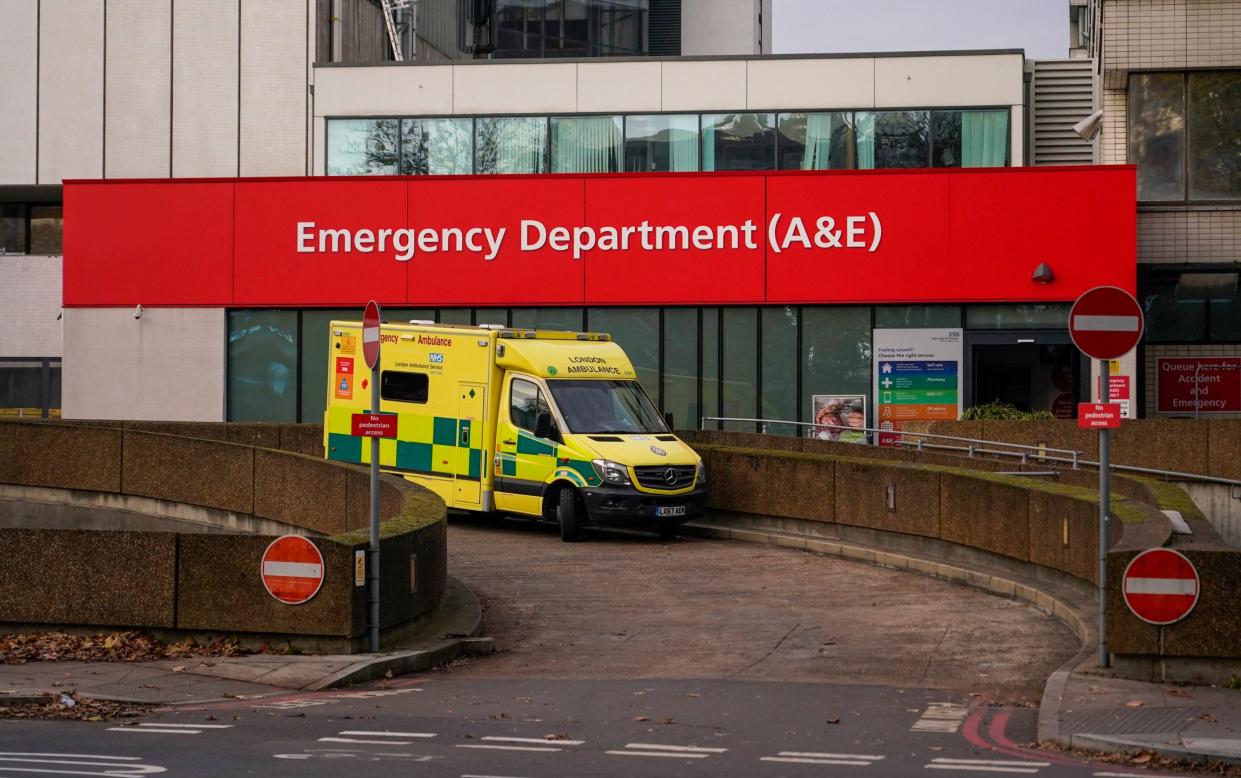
x=1032, y=371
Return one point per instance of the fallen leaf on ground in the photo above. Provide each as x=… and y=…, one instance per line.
x=641, y=718
x=131, y=646
x=1142, y=758
x=1134, y=704
x=833, y=721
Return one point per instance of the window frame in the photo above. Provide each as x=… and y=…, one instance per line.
x=539, y=395
x=426, y=386
x=26, y=214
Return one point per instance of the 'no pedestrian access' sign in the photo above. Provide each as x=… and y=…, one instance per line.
x=1161, y=586
x=373, y=425
x=1098, y=416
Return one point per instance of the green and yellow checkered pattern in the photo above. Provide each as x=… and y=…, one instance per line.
x=427, y=445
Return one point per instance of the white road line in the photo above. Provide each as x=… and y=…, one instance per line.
x=154, y=731
x=673, y=754
x=993, y=762
x=476, y=775
x=508, y=748
x=691, y=749
x=113, y=766
x=813, y=755
x=1130, y=775
x=187, y=726
x=386, y=733
x=6, y=754
x=542, y=740
x=366, y=742
x=803, y=760
x=982, y=768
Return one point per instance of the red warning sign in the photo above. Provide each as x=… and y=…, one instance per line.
x=1161, y=586
x=292, y=569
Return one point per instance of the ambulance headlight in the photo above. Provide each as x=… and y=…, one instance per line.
x=611, y=472
x=701, y=476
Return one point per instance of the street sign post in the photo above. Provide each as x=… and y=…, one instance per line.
x=1105, y=323
x=292, y=569
x=1161, y=586
x=370, y=352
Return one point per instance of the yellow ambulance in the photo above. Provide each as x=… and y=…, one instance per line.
x=550, y=425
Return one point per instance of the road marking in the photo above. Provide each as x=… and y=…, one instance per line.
x=986, y=765
x=542, y=740
x=365, y=742
x=118, y=766
x=508, y=748
x=675, y=755
x=811, y=757
x=186, y=726
x=691, y=749
x=993, y=762
x=386, y=733
x=156, y=730
x=1130, y=775
x=476, y=775
x=945, y=717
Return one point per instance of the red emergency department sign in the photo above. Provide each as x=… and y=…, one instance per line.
x=1106, y=322
x=1160, y=586
x=292, y=569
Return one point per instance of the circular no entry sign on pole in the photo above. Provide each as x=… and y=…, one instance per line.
x=1160, y=586
x=292, y=569
x=370, y=334
x=1106, y=322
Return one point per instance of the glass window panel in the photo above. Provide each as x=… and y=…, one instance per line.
x=262, y=365
x=662, y=142
x=739, y=387
x=779, y=366
x=514, y=144
x=637, y=332
x=586, y=144
x=491, y=316
x=362, y=147
x=835, y=354
x=680, y=379
x=1215, y=135
x=969, y=138
x=711, y=364
x=896, y=139
x=816, y=141
x=12, y=229
x=21, y=385
x=399, y=315
x=455, y=316
x=739, y=141
x=914, y=316
x=1169, y=319
x=1157, y=134
x=46, y=224
x=437, y=146
x=316, y=335
x=1017, y=317
x=403, y=386
x=564, y=319
x=1225, y=317
x=946, y=138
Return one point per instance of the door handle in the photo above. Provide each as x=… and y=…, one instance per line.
x=465, y=436
x=509, y=442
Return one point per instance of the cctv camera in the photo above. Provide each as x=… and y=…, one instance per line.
x=1087, y=128
x=138, y=311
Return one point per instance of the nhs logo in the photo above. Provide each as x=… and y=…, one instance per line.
x=437, y=359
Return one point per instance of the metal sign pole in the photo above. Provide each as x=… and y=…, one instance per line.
x=374, y=566
x=1105, y=497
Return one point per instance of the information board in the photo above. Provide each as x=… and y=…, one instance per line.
x=917, y=377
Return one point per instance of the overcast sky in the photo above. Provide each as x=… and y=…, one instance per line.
x=1041, y=27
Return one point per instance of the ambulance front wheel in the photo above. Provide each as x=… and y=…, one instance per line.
x=566, y=514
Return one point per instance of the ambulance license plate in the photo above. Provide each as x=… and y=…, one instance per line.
x=670, y=510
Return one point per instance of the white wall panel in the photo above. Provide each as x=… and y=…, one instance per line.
x=912, y=82
x=717, y=27
x=273, y=87
x=383, y=91
x=693, y=86
x=70, y=90
x=618, y=86
x=19, y=78
x=29, y=301
x=167, y=365
x=777, y=84
x=204, y=99
x=138, y=99
x=550, y=88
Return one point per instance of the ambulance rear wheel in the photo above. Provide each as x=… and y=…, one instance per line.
x=566, y=514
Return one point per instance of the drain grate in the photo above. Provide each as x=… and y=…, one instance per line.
x=1129, y=722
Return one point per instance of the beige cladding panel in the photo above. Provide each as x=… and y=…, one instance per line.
x=719, y=27
x=273, y=88
x=384, y=91
x=19, y=41
x=541, y=88
x=910, y=82
x=627, y=87
x=139, y=59
x=167, y=365
x=704, y=86
x=70, y=90
x=782, y=84
x=29, y=302
x=204, y=108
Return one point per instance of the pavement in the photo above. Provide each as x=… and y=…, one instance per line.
x=438, y=639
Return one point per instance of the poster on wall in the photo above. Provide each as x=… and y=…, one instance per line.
x=917, y=376
x=842, y=417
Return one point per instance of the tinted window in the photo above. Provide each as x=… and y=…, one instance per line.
x=403, y=387
x=511, y=144
x=667, y=142
x=816, y=141
x=1215, y=135
x=525, y=404
x=362, y=147
x=739, y=141
x=586, y=144
x=437, y=146
x=1157, y=134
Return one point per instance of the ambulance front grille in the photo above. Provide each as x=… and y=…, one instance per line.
x=666, y=477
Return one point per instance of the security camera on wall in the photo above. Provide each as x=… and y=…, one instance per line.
x=138, y=311
x=1087, y=128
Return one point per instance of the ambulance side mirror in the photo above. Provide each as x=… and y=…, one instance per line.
x=543, y=426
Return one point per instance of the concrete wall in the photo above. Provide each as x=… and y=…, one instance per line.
x=29, y=304
x=138, y=115
x=70, y=90
x=170, y=364
x=717, y=27
x=19, y=84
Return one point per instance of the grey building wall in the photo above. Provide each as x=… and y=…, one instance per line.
x=29, y=304
x=70, y=122
x=19, y=78
x=137, y=112
x=720, y=27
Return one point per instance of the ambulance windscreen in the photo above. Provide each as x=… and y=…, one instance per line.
x=605, y=407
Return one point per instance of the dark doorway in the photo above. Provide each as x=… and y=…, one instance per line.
x=1034, y=371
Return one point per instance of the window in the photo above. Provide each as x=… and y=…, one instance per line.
x=605, y=407
x=46, y=226
x=894, y=139
x=563, y=319
x=661, y=142
x=362, y=147
x=1185, y=135
x=511, y=144
x=917, y=316
x=739, y=141
x=12, y=229
x=569, y=28
x=262, y=365
x=636, y=330
x=778, y=354
x=816, y=141
x=437, y=146
x=1017, y=317
x=1191, y=307
x=315, y=358
x=403, y=387
x=526, y=402
x=586, y=144
x=835, y=353
x=680, y=374
x=969, y=138
x=739, y=362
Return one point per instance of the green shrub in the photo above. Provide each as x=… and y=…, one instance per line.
x=998, y=411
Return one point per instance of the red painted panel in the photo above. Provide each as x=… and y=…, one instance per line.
x=731, y=271
x=1004, y=223
x=269, y=269
x=513, y=276
x=908, y=262
x=148, y=244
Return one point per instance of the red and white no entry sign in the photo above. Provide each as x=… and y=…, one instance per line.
x=370, y=334
x=1160, y=586
x=1106, y=322
x=292, y=569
